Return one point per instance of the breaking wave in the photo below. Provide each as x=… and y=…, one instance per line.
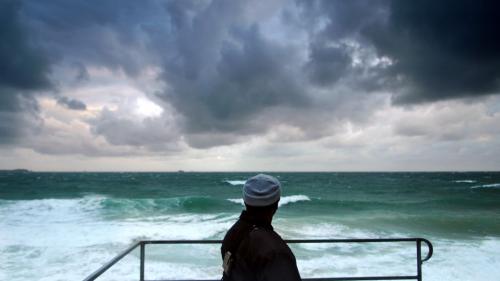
x=283, y=201
x=235, y=182
x=493, y=185
x=292, y=199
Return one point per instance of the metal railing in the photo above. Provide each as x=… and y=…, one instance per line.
x=142, y=245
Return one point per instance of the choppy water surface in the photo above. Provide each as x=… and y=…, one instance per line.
x=63, y=226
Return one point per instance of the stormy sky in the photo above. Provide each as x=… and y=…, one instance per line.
x=249, y=85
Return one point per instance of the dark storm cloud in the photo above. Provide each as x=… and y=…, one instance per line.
x=248, y=76
x=223, y=72
x=23, y=71
x=338, y=53
x=341, y=19
x=441, y=49
x=228, y=70
x=71, y=103
x=100, y=33
x=327, y=64
x=23, y=66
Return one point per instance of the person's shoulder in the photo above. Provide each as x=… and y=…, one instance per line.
x=267, y=240
x=267, y=247
x=232, y=229
x=261, y=234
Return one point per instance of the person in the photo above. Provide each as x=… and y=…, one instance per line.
x=251, y=249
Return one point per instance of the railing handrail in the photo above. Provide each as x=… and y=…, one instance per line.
x=142, y=244
x=109, y=264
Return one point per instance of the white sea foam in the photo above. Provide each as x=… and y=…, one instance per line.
x=317, y=228
x=467, y=260
x=357, y=260
x=67, y=239
x=493, y=185
x=283, y=201
x=465, y=181
x=235, y=182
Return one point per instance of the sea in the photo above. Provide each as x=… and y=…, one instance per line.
x=64, y=226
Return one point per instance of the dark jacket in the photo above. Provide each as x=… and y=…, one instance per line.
x=259, y=252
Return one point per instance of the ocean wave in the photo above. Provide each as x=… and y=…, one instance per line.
x=235, y=182
x=90, y=208
x=283, y=201
x=161, y=206
x=86, y=222
x=50, y=210
x=493, y=185
x=465, y=181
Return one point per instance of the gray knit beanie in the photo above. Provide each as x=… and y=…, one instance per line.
x=261, y=190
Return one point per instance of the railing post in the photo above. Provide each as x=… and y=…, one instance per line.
x=141, y=277
x=419, y=260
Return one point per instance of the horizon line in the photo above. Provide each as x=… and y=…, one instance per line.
x=249, y=171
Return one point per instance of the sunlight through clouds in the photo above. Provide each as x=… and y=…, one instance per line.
x=147, y=108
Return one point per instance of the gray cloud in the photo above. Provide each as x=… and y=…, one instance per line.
x=82, y=73
x=451, y=123
x=208, y=140
x=18, y=117
x=156, y=134
x=23, y=71
x=71, y=103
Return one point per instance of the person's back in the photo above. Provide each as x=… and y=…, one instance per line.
x=251, y=249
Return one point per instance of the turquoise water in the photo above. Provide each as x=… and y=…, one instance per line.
x=63, y=226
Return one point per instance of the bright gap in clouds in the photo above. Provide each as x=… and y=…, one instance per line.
x=147, y=108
